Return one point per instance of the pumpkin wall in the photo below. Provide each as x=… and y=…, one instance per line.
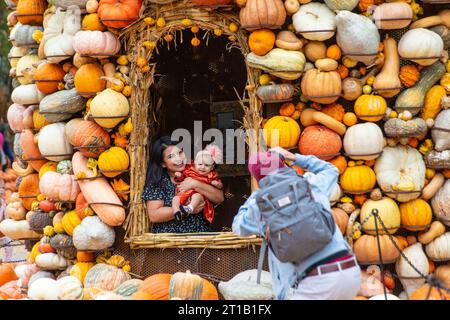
x=367, y=90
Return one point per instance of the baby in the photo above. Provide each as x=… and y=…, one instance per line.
x=201, y=170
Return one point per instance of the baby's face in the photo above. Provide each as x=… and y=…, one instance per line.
x=203, y=164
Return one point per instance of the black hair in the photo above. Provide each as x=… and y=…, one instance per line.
x=155, y=170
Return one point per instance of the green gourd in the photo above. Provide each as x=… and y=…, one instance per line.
x=413, y=99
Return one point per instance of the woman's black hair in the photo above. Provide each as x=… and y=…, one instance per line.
x=155, y=170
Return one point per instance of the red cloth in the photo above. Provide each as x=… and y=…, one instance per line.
x=189, y=172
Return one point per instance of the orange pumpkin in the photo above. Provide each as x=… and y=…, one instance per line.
x=334, y=52
x=7, y=273
x=88, y=80
x=157, y=286
x=31, y=12
x=427, y=293
x=90, y=138
x=29, y=189
x=209, y=291
x=31, y=150
x=341, y=219
x=343, y=71
x=320, y=141
x=409, y=75
x=47, y=76
x=287, y=109
x=261, y=41
x=81, y=206
x=334, y=110
x=118, y=13
x=85, y=256
x=339, y=162
x=320, y=86
x=11, y=290
x=366, y=249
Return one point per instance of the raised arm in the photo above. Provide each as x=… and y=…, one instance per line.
x=247, y=220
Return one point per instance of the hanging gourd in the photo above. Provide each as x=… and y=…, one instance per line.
x=47, y=76
x=387, y=83
x=59, y=187
x=87, y=136
x=61, y=105
x=53, y=144
x=109, y=108
x=393, y=15
x=88, y=80
x=118, y=13
x=96, y=44
x=26, y=95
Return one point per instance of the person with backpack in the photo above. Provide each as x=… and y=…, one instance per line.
x=308, y=255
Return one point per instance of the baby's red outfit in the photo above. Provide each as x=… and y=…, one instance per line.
x=189, y=172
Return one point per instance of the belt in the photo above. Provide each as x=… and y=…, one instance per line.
x=332, y=267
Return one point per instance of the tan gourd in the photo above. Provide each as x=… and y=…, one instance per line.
x=310, y=117
x=436, y=229
x=442, y=18
x=109, y=69
x=352, y=88
x=387, y=82
x=326, y=64
x=433, y=186
x=315, y=50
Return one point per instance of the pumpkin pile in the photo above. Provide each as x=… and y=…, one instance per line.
x=70, y=115
x=340, y=87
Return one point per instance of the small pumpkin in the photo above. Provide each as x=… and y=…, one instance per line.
x=118, y=13
x=105, y=276
x=281, y=131
x=358, y=179
x=113, y=159
x=275, y=92
x=366, y=249
x=259, y=14
x=185, y=286
x=388, y=212
x=370, y=107
x=109, y=103
x=416, y=215
x=341, y=219
x=261, y=41
x=47, y=76
x=321, y=87
x=157, y=286
x=88, y=80
x=409, y=75
x=320, y=141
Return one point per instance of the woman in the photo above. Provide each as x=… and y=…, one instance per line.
x=166, y=159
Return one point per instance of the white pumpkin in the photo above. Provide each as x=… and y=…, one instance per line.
x=336, y=194
x=26, y=67
x=417, y=256
x=441, y=203
x=357, y=35
x=39, y=275
x=393, y=15
x=24, y=272
x=15, y=54
x=17, y=230
x=441, y=138
x=93, y=234
x=400, y=168
x=51, y=261
x=313, y=17
x=15, y=116
x=44, y=289
x=363, y=141
x=421, y=43
x=383, y=297
x=27, y=94
x=53, y=144
x=439, y=248
x=341, y=4
x=70, y=288
x=243, y=286
x=60, y=32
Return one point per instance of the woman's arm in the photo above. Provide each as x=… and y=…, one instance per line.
x=210, y=192
x=158, y=213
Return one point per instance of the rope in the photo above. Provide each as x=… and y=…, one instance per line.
x=375, y=213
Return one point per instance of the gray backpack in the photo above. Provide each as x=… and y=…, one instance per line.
x=296, y=225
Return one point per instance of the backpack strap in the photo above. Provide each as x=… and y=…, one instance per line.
x=262, y=254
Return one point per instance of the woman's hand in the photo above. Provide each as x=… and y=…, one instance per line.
x=286, y=154
x=188, y=184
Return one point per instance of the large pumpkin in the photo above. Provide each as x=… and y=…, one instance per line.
x=259, y=14
x=281, y=131
x=109, y=108
x=363, y=141
x=320, y=141
x=56, y=186
x=358, y=179
x=105, y=276
x=421, y=45
x=112, y=160
x=370, y=107
x=88, y=80
x=118, y=13
x=47, y=77
x=157, y=286
x=96, y=43
x=366, y=249
x=400, y=169
x=388, y=212
x=31, y=12
x=416, y=215
x=320, y=86
x=53, y=144
x=29, y=189
x=87, y=136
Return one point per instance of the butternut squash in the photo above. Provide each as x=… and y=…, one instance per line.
x=442, y=18
x=412, y=99
x=436, y=229
x=433, y=186
x=433, y=102
x=98, y=191
x=387, y=82
x=310, y=117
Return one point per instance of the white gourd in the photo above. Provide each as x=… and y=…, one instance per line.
x=315, y=16
x=27, y=94
x=17, y=230
x=439, y=248
x=421, y=43
x=342, y=4
x=64, y=4
x=441, y=138
x=336, y=194
x=363, y=141
x=93, y=234
x=243, y=286
x=39, y=275
x=53, y=144
x=59, y=34
x=382, y=297
x=417, y=256
x=441, y=203
x=400, y=168
x=51, y=261
x=70, y=288
x=357, y=34
x=44, y=289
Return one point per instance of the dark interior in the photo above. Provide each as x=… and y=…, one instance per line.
x=197, y=84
